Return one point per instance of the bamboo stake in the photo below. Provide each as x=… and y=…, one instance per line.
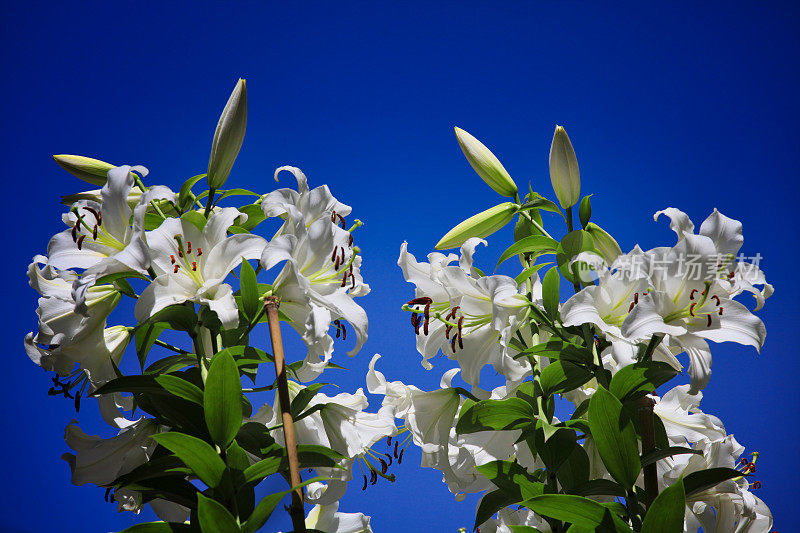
x=296, y=510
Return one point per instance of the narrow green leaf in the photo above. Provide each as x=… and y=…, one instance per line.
x=145, y=337
x=528, y=272
x=178, y=317
x=213, y=516
x=571, y=245
x=490, y=504
x=638, y=379
x=666, y=513
x=705, y=479
x=533, y=244
x=195, y=219
x=171, y=364
x=304, y=397
x=497, y=415
x=265, y=507
x=615, y=436
x=550, y=295
x=184, y=195
x=577, y=510
x=181, y=388
x=222, y=399
x=249, y=290
x=563, y=376
x=658, y=454
x=196, y=454
x=512, y=479
x=599, y=487
x=129, y=384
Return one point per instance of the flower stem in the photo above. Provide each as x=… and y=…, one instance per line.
x=209, y=202
x=644, y=407
x=296, y=510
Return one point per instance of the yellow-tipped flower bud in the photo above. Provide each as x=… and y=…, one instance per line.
x=486, y=164
x=228, y=137
x=481, y=225
x=564, y=173
x=604, y=243
x=89, y=170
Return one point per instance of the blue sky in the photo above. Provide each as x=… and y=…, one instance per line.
x=683, y=105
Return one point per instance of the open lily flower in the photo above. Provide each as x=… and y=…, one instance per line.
x=507, y=517
x=101, y=239
x=302, y=207
x=328, y=518
x=191, y=265
x=317, y=284
x=683, y=420
x=341, y=425
x=469, y=317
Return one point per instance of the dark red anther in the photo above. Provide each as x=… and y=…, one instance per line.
x=352, y=280
x=691, y=294
x=172, y=259
x=333, y=216
x=194, y=266
x=199, y=251
x=94, y=232
x=338, y=327
x=422, y=300
x=344, y=331
x=691, y=308
x=350, y=240
x=447, y=331
x=341, y=221
x=373, y=478
x=342, y=260
x=400, y=458
x=460, y=323
x=99, y=217
x=631, y=307
x=756, y=485
x=720, y=311
x=452, y=313
x=351, y=268
x=389, y=440
x=427, y=315
x=365, y=482
x=395, y=449
x=94, y=213
x=636, y=297
x=336, y=264
x=80, y=241
x=388, y=457
x=715, y=297
x=180, y=252
x=453, y=343
x=751, y=467
x=344, y=279
x=709, y=321
x=384, y=466
x=188, y=247
x=75, y=232
x=175, y=270
x=335, y=253
x=730, y=275
x=460, y=341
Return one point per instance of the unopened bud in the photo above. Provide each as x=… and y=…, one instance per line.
x=604, y=243
x=481, y=225
x=89, y=170
x=228, y=137
x=564, y=173
x=486, y=164
x=585, y=211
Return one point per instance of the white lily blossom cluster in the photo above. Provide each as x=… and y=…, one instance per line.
x=178, y=257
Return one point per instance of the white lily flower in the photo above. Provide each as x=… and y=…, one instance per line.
x=514, y=517
x=468, y=318
x=191, y=265
x=302, y=207
x=328, y=518
x=341, y=425
x=683, y=420
x=101, y=239
x=316, y=286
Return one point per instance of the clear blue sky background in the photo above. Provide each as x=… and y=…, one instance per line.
x=683, y=105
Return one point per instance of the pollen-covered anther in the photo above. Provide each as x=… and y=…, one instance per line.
x=715, y=297
x=389, y=440
x=344, y=279
x=350, y=240
x=427, y=315
x=188, y=247
x=364, y=487
x=691, y=294
x=172, y=259
x=199, y=251
x=395, y=449
x=731, y=275
x=389, y=457
x=384, y=465
x=373, y=477
x=756, y=485
x=422, y=300
x=708, y=324
x=175, y=270
x=341, y=221
x=416, y=321
x=460, y=336
x=691, y=309
x=720, y=311
x=194, y=266
x=80, y=241
x=447, y=331
x=453, y=343
x=75, y=230
x=400, y=457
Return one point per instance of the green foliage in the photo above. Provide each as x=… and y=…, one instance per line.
x=222, y=399
x=666, y=513
x=497, y=415
x=615, y=436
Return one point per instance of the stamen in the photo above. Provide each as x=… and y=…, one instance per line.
x=447, y=331
x=94, y=232
x=691, y=294
x=709, y=321
x=389, y=457
x=384, y=466
x=395, y=449
x=427, y=315
x=344, y=331
x=335, y=253
x=419, y=301
x=400, y=458
x=715, y=297
x=730, y=276
x=94, y=213
x=365, y=482
x=373, y=477
x=194, y=265
x=80, y=241
x=338, y=327
x=199, y=251
x=75, y=232
x=636, y=297
x=720, y=311
x=453, y=343
x=175, y=271
x=389, y=440
x=631, y=307
x=342, y=249
x=336, y=265
x=344, y=279
x=691, y=308
x=756, y=485
x=352, y=279
x=341, y=221
x=188, y=247
x=172, y=259
x=350, y=240
x=333, y=219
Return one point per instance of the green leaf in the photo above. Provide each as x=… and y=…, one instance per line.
x=705, y=479
x=599, y=487
x=265, y=507
x=538, y=201
x=558, y=349
x=184, y=195
x=528, y=272
x=164, y=465
x=534, y=244
x=638, y=379
x=577, y=510
x=658, y=454
x=255, y=216
x=222, y=399
x=615, y=436
x=304, y=397
x=512, y=479
x=571, y=245
x=574, y=471
x=490, y=504
x=213, y=516
x=563, y=376
x=145, y=337
x=178, y=317
x=129, y=384
x=249, y=290
x=550, y=296
x=195, y=219
x=497, y=415
x=196, y=454
x=666, y=513
x=181, y=388
x=171, y=364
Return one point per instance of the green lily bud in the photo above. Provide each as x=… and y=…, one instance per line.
x=564, y=173
x=228, y=137
x=90, y=170
x=604, y=243
x=481, y=225
x=486, y=164
x=585, y=211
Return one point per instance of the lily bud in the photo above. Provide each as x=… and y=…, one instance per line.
x=604, y=243
x=564, y=173
x=481, y=225
x=486, y=164
x=90, y=170
x=585, y=211
x=228, y=137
